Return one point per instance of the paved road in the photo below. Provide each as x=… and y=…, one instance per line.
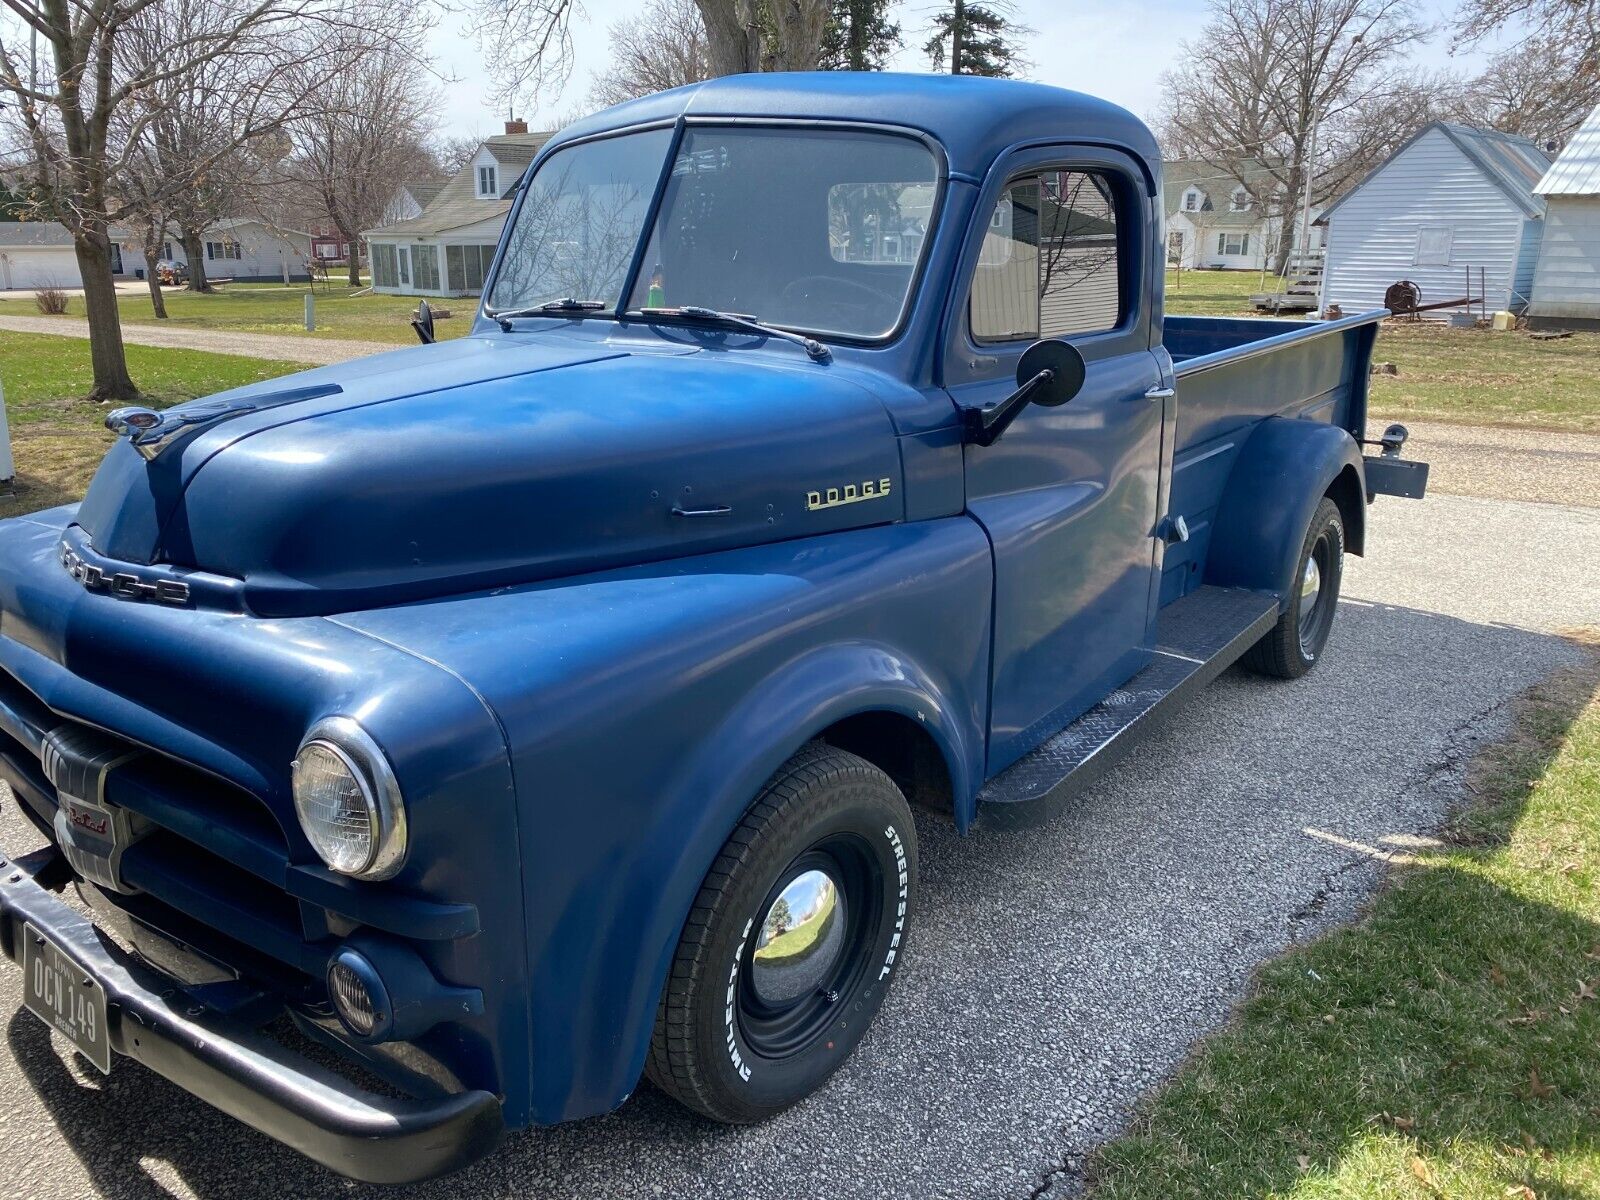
x=291, y=348
x=1054, y=977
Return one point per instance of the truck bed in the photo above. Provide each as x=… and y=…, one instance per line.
x=1234, y=372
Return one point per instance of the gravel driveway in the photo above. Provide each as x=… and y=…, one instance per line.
x=284, y=347
x=1054, y=976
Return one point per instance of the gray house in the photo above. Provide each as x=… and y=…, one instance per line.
x=1451, y=202
x=1566, y=286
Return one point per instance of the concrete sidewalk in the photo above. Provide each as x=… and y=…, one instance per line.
x=312, y=351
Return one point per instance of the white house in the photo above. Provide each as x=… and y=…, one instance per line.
x=1566, y=283
x=447, y=248
x=1450, y=203
x=36, y=254
x=243, y=249
x=1222, y=219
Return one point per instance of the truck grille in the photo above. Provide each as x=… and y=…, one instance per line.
x=214, y=867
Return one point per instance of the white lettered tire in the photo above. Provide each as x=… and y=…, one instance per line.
x=792, y=943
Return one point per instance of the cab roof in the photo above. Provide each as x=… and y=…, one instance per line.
x=974, y=118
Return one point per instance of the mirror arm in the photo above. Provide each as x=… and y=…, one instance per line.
x=423, y=323
x=983, y=426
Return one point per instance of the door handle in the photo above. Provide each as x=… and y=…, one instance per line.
x=1161, y=393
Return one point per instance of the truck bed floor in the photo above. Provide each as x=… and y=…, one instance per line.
x=1197, y=638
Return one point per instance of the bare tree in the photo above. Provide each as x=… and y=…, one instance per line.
x=83, y=117
x=1541, y=89
x=528, y=43
x=1573, y=25
x=1267, y=76
x=452, y=153
x=663, y=47
x=368, y=136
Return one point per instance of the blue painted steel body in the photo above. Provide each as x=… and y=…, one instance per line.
x=471, y=548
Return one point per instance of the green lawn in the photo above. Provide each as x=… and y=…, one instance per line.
x=1215, y=293
x=273, y=308
x=1446, y=1045
x=57, y=438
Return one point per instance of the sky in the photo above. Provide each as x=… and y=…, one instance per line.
x=1114, y=50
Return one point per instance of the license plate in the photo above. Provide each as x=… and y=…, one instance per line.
x=62, y=995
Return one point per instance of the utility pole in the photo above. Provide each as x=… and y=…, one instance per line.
x=956, y=28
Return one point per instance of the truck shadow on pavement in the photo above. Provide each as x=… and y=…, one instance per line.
x=1054, y=976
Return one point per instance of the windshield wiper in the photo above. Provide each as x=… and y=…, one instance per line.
x=694, y=312
x=565, y=305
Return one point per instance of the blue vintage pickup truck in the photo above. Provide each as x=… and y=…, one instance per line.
x=527, y=713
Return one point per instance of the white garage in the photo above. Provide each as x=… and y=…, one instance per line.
x=35, y=254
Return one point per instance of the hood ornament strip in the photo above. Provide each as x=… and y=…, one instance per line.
x=150, y=431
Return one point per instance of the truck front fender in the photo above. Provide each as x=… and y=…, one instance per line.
x=646, y=707
x=1282, y=472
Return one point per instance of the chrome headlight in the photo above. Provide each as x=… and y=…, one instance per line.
x=348, y=802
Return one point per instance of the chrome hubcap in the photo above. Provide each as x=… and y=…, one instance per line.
x=1311, y=602
x=1311, y=581
x=801, y=939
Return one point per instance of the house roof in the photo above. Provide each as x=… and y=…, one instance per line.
x=424, y=193
x=34, y=234
x=457, y=203
x=1513, y=164
x=1179, y=174
x=1576, y=171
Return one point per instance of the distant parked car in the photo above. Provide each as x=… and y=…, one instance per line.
x=169, y=271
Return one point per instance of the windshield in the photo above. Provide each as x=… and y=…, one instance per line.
x=819, y=230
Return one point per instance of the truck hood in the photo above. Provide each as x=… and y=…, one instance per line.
x=496, y=460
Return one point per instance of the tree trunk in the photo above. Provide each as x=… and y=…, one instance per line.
x=1289, y=224
x=194, y=249
x=856, y=55
x=733, y=36
x=110, y=361
x=154, y=280
x=355, y=263
x=800, y=28
x=958, y=26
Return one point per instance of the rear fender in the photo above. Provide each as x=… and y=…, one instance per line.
x=1282, y=473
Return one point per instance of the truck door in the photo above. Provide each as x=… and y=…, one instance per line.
x=1068, y=495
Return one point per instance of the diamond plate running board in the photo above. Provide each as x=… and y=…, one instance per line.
x=1197, y=638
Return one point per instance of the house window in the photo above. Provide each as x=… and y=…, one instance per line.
x=488, y=182
x=166, y=250
x=1057, y=272
x=425, y=268
x=1433, y=246
x=466, y=267
x=1191, y=200
x=223, y=250
x=1233, y=243
x=383, y=265
x=1241, y=200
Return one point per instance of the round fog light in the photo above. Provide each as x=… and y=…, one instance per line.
x=357, y=993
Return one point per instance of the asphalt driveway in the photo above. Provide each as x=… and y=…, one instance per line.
x=1053, y=977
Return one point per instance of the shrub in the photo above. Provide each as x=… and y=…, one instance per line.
x=52, y=301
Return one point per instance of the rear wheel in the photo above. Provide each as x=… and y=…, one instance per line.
x=1294, y=644
x=792, y=941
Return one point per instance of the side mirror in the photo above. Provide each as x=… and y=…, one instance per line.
x=423, y=323
x=1050, y=373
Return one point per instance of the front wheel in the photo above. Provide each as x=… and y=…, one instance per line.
x=1293, y=645
x=792, y=941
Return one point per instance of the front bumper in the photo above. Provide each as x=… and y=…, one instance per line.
x=366, y=1136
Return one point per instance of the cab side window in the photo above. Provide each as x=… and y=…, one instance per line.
x=1049, y=265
